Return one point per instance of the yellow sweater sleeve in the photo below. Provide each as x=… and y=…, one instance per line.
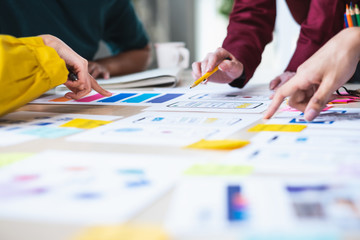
x=28, y=68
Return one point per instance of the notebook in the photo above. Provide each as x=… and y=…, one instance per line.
x=168, y=77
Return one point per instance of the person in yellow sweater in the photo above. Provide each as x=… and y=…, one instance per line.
x=33, y=65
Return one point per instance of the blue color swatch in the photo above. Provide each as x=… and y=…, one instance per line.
x=117, y=97
x=165, y=98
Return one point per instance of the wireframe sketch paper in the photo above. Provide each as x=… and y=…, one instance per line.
x=168, y=128
x=224, y=102
x=22, y=126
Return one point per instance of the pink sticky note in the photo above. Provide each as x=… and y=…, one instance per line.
x=341, y=100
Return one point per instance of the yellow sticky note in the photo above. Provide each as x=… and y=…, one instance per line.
x=225, y=144
x=219, y=170
x=277, y=128
x=210, y=120
x=127, y=232
x=9, y=158
x=85, y=123
x=244, y=105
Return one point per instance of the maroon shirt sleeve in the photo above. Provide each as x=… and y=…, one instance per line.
x=324, y=20
x=250, y=29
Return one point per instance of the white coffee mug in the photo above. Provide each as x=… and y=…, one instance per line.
x=172, y=54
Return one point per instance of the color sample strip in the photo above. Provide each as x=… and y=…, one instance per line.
x=219, y=170
x=236, y=204
x=125, y=231
x=11, y=157
x=277, y=128
x=226, y=144
x=60, y=99
x=165, y=98
x=90, y=98
x=117, y=97
x=141, y=98
x=85, y=123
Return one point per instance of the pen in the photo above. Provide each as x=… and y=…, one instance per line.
x=72, y=76
x=204, y=77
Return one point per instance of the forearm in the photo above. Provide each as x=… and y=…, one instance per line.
x=323, y=21
x=250, y=29
x=29, y=68
x=127, y=62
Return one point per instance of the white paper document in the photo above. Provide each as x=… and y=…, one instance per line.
x=167, y=128
x=289, y=208
x=22, y=126
x=85, y=187
x=222, y=101
x=341, y=118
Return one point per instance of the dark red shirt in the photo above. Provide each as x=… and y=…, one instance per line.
x=252, y=23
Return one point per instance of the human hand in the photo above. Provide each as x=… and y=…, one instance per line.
x=98, y=70
x=229, y=69
x=78, y=65
x=280, y=80
x=316, y=79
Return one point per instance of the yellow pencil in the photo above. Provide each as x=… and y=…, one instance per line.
x=204, y=77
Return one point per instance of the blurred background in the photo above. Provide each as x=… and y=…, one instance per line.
x=202, y=25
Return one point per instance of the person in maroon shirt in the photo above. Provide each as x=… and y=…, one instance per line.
x=321, y=75
x=250, y=29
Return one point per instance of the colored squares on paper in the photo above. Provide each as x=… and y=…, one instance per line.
x=60, y=99
x=165, y=98
x=277, y=128
x=91, y=98
x=141, y=98
x=117, y=97
x=85, y=123
x=236, y=204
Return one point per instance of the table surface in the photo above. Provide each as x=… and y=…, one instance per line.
x=155, y=214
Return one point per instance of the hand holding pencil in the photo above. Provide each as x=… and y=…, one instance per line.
x=229, y=68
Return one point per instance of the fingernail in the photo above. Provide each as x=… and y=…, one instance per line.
x=310, y=115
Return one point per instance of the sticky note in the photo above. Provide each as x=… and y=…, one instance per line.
x=226, y=144
x=85, y=123
x=290, y=109
x=244, y=105
x=60, y=99
x=294, y=236
x=130, y=232
x=341, y=101
x=219, y=170
x=277, y=128
x=9, y=158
